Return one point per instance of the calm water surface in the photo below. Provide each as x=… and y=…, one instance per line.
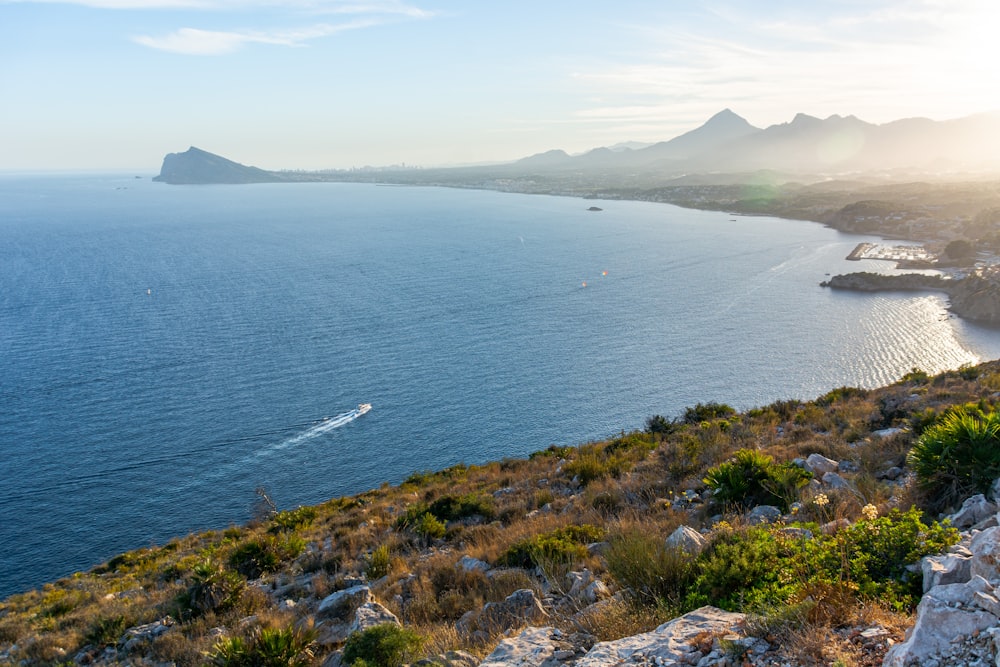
x=165, y=350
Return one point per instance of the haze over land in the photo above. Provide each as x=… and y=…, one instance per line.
x=116, y=84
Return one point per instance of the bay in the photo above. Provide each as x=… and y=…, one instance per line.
x=166, y=350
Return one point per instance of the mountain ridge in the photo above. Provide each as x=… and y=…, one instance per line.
x=726, y=142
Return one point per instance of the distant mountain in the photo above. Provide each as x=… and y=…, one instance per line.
x=725, y=147
x=809, y=145
x=195, y=166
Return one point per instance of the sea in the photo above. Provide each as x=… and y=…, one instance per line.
x=167, y=350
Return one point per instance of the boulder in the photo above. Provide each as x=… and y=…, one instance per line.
x=531, y=648
x=945, y=569
x=470, y=564
x=671, y=643
x=974, y=510
x=369, y=615
x=818, y=464
x=834, y=481
x=985, y=548
x=142, y=634
x=763, y=514
x=687, y=539
x=944, y=614
x=519, y=608
x=343, y=602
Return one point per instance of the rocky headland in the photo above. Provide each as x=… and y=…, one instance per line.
x=975, y=296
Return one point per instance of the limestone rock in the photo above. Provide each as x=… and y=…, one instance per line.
x=671, y=643
x=944, y=614
x=141, y=634
x=519, y=608
x=531, y=648
x=369, y=615
x=835, y=481
x=974, y=510
x=470, y=564
x=985, y=548
x=818, y=464
x=687, y=539
x=945, y=569
x=342, y=603
x=763, y=514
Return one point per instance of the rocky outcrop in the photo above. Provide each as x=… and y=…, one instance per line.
x=958, y=618
x=865, y=281
x=195, y=167
x=673, y=643
x=975, y=297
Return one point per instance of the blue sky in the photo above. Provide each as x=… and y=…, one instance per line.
x=116, y=84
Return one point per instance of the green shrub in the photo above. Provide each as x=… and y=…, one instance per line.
x=452, y=508
x=753, y=478
x=379, y=563
x=563, y=545
x=655, y=573
x=703, y=412
x=213, y=589
x=429, y=527
x=291, y=519
x=958, y=456
x=265, y=648
x=386, y=645
x=106, y=631
x=265, y=554
x=762, y=567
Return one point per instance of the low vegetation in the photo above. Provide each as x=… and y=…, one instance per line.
x=249, y=595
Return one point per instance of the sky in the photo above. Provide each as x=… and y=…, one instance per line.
x=337, y=84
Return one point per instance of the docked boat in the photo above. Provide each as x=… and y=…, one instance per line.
x=363, y=408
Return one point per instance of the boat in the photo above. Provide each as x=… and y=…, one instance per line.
x=363, y=408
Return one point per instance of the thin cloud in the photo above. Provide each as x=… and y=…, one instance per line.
x=192, y=41
x=312, y=6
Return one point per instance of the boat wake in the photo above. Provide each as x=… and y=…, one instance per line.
x=326, y=425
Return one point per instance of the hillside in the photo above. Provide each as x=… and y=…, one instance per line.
x=782, y=535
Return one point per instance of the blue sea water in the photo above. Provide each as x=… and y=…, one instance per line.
x=165, y=350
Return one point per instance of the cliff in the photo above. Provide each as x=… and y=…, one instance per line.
x=195, y=166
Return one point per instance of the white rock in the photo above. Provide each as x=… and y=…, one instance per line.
x=985, y=548
x=470, y=564
x=973, y=511
x=818, y=464
x=345, y=601
x=941, y=617
x=945, y=569
x=763, y=514
x=519, y=608
x=687, y=539
x=671, y=643
x=369, y=615
x=531, y=648
x=835, y=481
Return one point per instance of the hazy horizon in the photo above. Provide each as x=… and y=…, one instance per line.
x=324, y=84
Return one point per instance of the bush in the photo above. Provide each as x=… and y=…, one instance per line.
x=752, y=478
x=386, y=645
x=291, y=519
x=958, y=456
x=265, y=554
x=703, y=412
x=653, y=572
x=563, y=545
x=379, y=563
x=214, y=589
x=265, y=648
